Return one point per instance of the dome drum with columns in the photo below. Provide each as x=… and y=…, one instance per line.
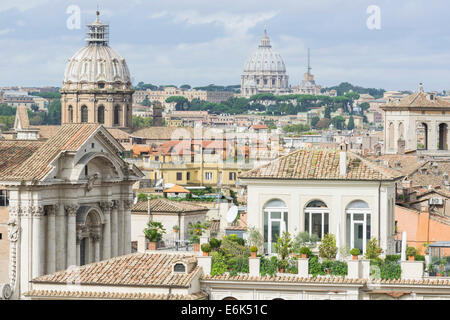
x=97, y=85
x=264, y=71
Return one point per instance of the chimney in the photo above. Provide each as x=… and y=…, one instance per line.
x=343, y=163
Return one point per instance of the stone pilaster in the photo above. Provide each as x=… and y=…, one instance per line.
x=114, y=229
x=71, y=211
x=127, y=204
x=96, y=239
x=106, y=208
x=51, y=238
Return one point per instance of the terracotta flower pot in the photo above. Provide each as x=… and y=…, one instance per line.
x=152, y=245
x=295, y=255
x=328, y=271
x=355, y=257
x=439, y=274
x=175, y=230
x=196, y=247
x=205, y=254
x=304, y=255
x=281, y=270
x=411, y=258
x=253, y=254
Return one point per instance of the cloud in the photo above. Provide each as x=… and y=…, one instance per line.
x=231, y=22
x=5, y=31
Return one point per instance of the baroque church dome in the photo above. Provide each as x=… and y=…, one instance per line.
x=97, y=62
x=264, y=59
x=264, y=71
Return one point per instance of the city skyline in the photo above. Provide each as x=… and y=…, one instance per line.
x=200, y=43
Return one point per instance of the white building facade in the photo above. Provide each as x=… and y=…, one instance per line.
x=320, y=192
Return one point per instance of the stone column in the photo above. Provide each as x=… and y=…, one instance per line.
x=106, y=208
x=127, y=204
x=38, y=256
x=71, y=234
x=120, y=228
x=60, y=238
x=114, y=229
x=51, y=238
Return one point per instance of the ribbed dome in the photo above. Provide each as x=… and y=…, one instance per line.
x=97, y=63
x=264, y=59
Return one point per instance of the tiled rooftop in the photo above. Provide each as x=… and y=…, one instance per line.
x=137, y=269
x=166, y=206
x=68, y=138
x=418, y=99
x=15, y=152
x=320, y=164
x=113, y=295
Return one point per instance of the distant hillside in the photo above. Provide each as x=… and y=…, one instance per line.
x=344, y=87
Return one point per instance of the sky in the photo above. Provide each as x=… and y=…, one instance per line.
x=202, y=42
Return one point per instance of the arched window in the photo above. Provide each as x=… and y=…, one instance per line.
x=275, y=223
x=116, y=115
x=358, y=224
x=229, y=298
x=422, y=136
x=101, y=114
x=70, y=111
x=316, y=218
x=84, y=114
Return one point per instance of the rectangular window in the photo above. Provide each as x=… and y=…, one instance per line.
x=208, y=175
x=179, y=176
x=1, y=236
x=188, y=176
x=4, y=198
x=232, y=176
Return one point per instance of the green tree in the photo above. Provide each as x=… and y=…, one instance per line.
x=181, y=103
x=351, y=123
x=338, y=122
x=327, y=247
x=185, y=87
x=314, y=121
x=54, y=112
x=283, y=247
x=146, y=102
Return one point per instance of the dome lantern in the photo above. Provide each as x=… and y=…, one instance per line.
x=97, y=32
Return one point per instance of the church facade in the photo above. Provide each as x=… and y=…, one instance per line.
x=69, y=202
x=97, y=84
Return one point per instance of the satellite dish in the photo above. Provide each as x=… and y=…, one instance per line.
x=232, y=214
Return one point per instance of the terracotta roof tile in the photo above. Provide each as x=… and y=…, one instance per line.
x=68, y=138
x=320, y=164
x=15, y=152
x=418, y=99
x=138, y=269
x=166, y=206
x=113, y=295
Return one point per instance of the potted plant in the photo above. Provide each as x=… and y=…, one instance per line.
x=355, y=252
x=411, y=253
x=253, y=250
x=176, y=228
x=305, y=252
x=154, y=233
x=442, y=267
x=196, y=230
x=283, y=247
x=206, y=248
x=328, y=248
